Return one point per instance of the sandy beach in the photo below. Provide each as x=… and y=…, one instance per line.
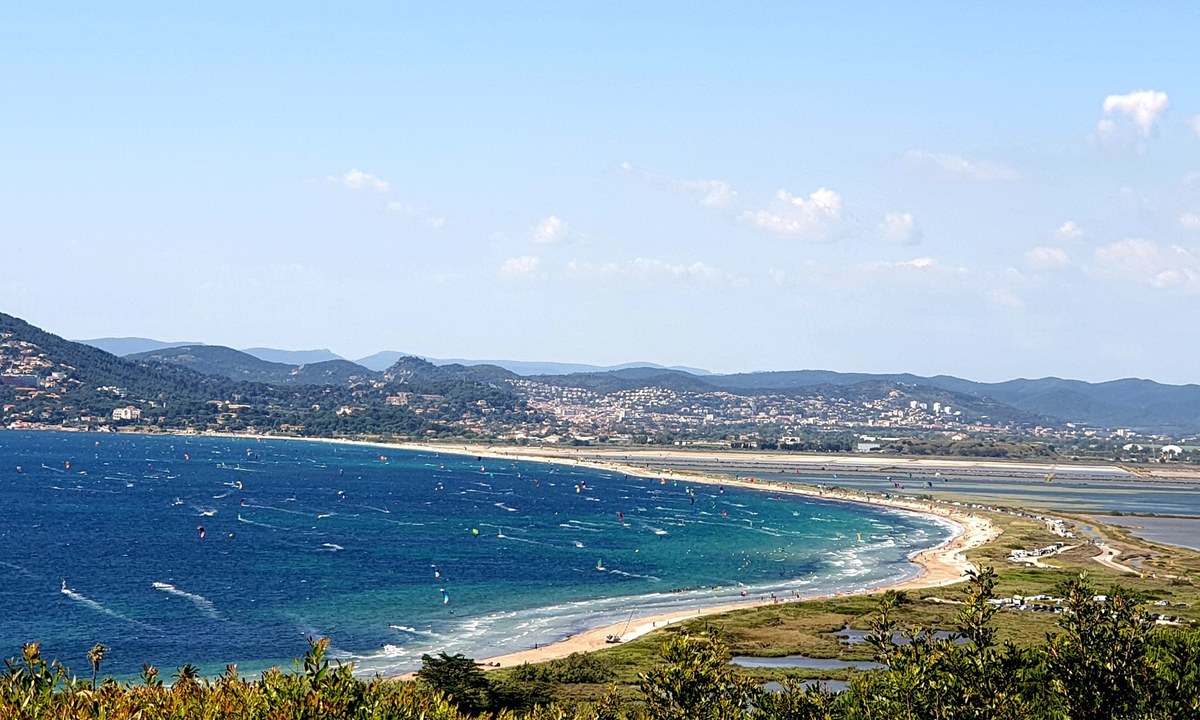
x=945, y=564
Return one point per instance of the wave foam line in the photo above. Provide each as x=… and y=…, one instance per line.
x=413, y=630
x=204, y=604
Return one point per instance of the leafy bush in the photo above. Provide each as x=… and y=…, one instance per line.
x=574, y=668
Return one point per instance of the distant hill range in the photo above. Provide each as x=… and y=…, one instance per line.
x=1140, y=404
x=1129, y=402
x=238, y=365
x=379, y=361
x=47, y=381
x=553, y=368
x=123, y=346
x=293, y=357
x=126, y=346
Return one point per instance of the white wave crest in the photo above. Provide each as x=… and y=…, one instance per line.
x=202, y=603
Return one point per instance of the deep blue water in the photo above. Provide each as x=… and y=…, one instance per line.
x=102, y=543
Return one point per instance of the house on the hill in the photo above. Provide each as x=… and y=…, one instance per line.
x=129, y=412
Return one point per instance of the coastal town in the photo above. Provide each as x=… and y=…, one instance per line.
x=42, y=389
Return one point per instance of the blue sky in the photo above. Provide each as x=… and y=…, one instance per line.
x=990, y=192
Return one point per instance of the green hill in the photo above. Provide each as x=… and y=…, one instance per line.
x=218, y=360
x=46, y=381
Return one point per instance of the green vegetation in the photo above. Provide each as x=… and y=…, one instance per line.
x=1106, y=660
x=970, y=447
x=79, y=386
x=48, y=382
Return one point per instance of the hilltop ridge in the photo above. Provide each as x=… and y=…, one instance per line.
x=211, y=387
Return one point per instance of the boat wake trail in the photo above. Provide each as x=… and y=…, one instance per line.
x=93, y=605
x=20, y=570
x=202, y=603
x=635, y=575
x=276, y=509
x=252, y=522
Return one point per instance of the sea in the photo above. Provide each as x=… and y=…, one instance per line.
x=213, y=550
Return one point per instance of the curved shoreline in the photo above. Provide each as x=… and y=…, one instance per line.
x=938, y=566
x=943, y=564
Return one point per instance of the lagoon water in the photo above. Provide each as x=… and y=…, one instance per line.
x=1072, y=489
x=389, y=553
x=1184, y=532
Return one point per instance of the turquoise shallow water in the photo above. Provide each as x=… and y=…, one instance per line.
x=388, y=553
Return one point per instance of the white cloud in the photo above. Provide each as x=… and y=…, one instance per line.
x=1189, y=221
x=1195, y=123
x=900, y=229
x=1069, y=230
x=926, y=268
x=921, y=263
x=518, y=267
x=919, y=272
x=550, y=230
x=648, y=269
x=1005, y=298
x=415, y=213
x=817, y=217
x=959, y=166
x=713, y=193
x=358, y=180
x=1046, y=258
x=592, y=270
x=1140, y=109
x=1144, y=261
